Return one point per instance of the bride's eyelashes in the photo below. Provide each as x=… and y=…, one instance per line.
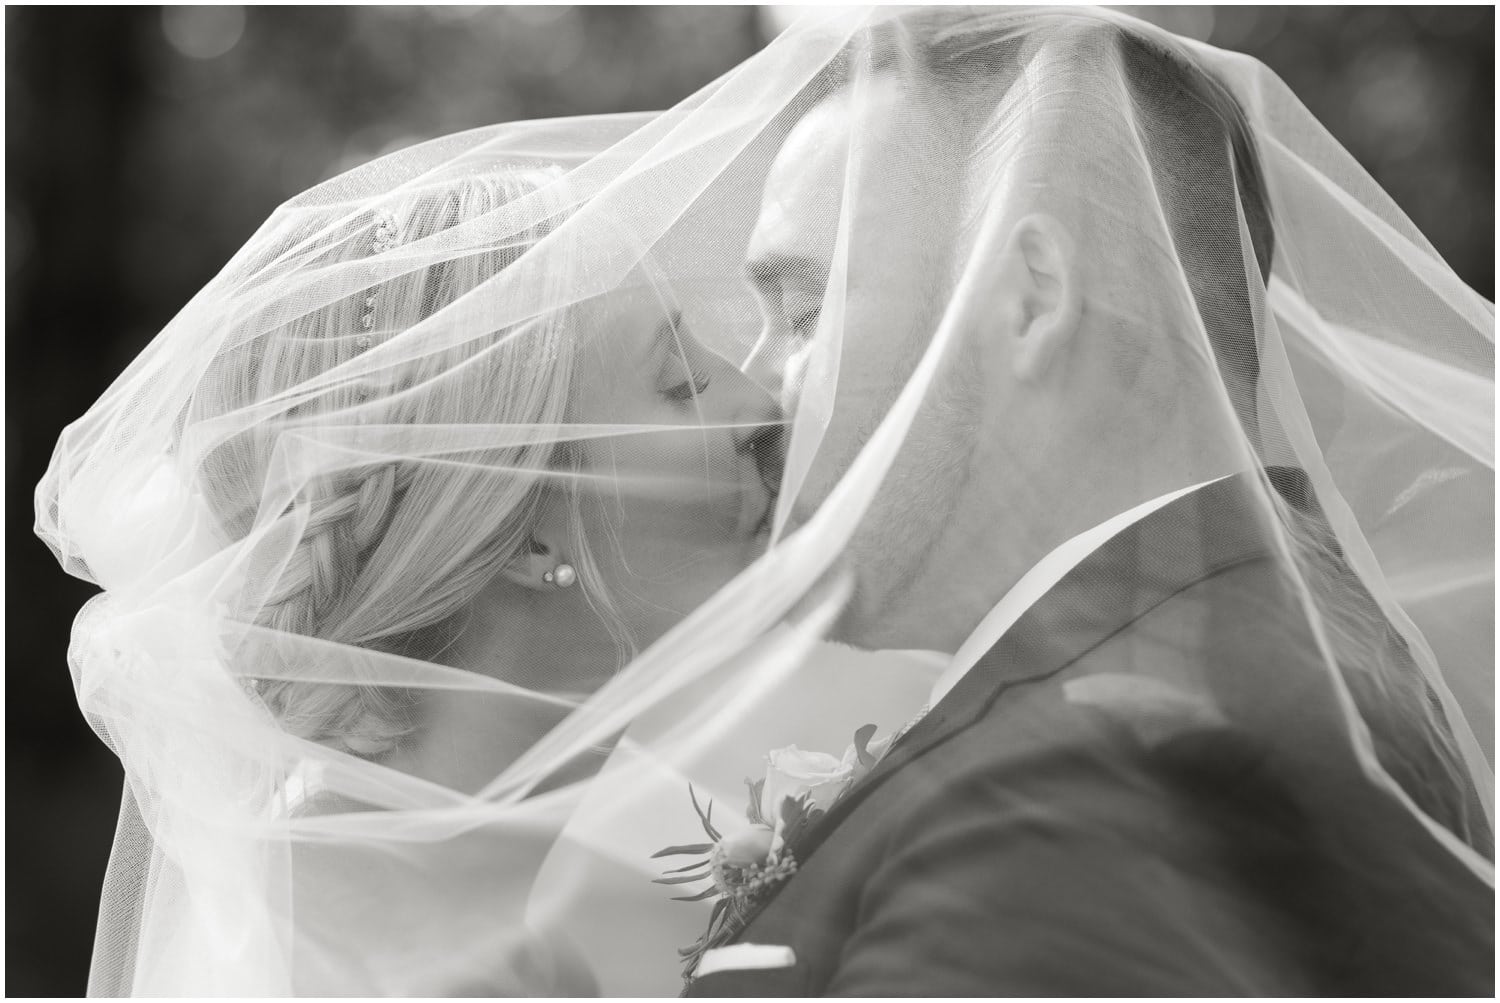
x=680, y=381
x=688, y=389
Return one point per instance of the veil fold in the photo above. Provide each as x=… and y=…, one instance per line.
x=769, y=373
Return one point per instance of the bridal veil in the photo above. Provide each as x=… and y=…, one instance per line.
x=344, y=773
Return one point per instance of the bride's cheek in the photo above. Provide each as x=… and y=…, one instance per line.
x=695, y=504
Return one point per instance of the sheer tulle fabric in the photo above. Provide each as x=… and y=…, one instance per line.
x=368, y=750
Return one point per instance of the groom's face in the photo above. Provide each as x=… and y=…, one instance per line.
x=849, y=259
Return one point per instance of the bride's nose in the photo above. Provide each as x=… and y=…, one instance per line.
x=739, y=392
x=760, y=424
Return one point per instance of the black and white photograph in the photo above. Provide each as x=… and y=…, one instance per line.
x=750, y=501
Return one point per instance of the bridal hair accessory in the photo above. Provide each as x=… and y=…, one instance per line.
x=387, y=236
x=562, y=576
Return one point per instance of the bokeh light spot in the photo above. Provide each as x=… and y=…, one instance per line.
x=203, y=32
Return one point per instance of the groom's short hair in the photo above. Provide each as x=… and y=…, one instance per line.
x=1206, y=168
x=1195, y=135
x=1198, y=143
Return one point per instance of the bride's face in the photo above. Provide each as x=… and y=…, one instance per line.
x=677, y=494
x=665, y=476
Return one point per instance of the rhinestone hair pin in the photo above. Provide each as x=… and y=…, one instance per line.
x=387, y=235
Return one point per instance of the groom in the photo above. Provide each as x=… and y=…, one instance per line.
x=1133, y=779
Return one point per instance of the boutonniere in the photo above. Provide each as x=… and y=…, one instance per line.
x=743, y=866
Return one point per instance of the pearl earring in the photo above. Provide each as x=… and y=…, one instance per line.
x=561, y=576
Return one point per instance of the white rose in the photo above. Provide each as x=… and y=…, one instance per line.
x=795, y=773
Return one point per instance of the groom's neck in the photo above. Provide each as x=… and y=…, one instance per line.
x=1008, y=522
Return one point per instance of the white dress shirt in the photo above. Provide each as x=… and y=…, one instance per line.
x=1037, y=582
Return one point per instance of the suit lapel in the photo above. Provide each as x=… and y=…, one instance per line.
x=1182, y=543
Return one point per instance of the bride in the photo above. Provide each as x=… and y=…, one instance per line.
x=543, y=563
x=514, y=504
x=473, y=546
x=420, y=522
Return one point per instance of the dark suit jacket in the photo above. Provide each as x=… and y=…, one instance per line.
x=1141, y=790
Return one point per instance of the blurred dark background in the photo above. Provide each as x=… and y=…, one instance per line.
x=144, y=145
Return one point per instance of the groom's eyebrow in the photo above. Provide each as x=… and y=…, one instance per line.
x=777, y=269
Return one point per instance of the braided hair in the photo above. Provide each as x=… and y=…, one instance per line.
x=387, y=552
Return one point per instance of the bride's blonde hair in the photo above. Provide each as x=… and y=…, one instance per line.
x=394, y=550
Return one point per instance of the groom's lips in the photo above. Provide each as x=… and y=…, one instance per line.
x=763, y=526
x=757, y=509
x=767, y=447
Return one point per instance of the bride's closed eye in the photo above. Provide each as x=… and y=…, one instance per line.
x=682, y=379
x=682, y=393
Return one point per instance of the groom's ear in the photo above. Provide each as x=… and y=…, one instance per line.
x=1041, y=301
